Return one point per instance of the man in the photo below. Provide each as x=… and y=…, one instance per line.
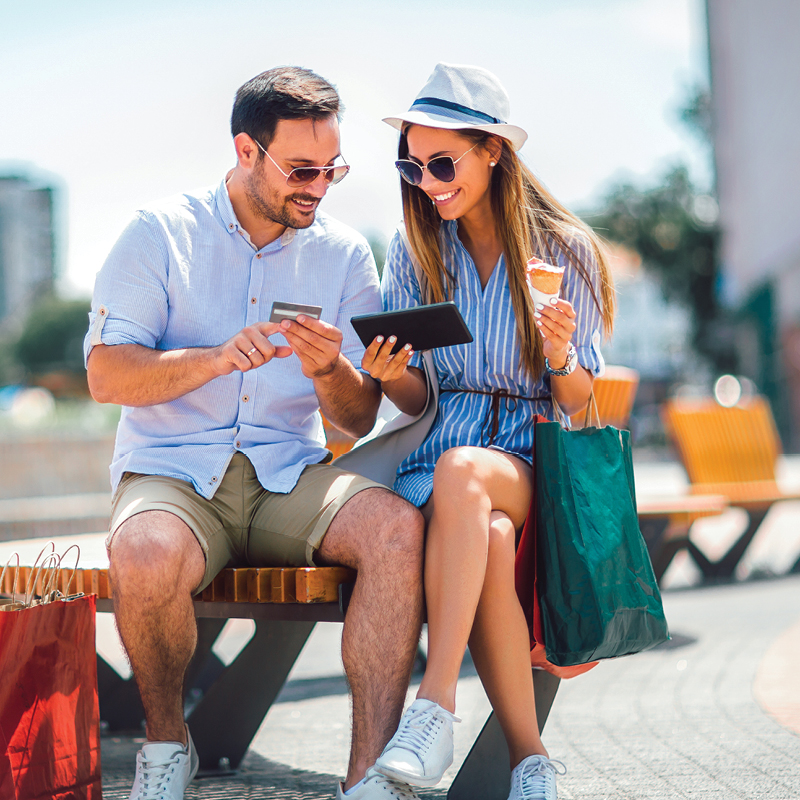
x=217, y=460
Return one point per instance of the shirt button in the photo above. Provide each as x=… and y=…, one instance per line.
x=238, y=444
x=214, y=479
x=253, y=300
x=258, y=255
x=231, y=226
x=245, y=398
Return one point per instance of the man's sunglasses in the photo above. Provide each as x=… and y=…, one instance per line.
x=303, y=176
x=442, y=168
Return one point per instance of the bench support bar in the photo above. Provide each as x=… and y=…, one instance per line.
x=225, y=721
x=485, y=773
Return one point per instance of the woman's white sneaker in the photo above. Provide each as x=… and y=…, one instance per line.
x=164, y=770
x=534, y=778
x=422, y=748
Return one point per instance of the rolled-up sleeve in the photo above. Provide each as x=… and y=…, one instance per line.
x=585, y=294
x=399, y=285
x=130, y=301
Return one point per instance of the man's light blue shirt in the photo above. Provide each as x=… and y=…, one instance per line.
x=182, y=275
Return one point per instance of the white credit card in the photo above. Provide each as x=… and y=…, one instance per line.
x=281, y=311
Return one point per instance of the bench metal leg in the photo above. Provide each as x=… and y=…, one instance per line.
x=486, y=774
x=663, y=542
x=725, y=567
x=120, y=705
x=225, y=721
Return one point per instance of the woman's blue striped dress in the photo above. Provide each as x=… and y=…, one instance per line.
x=488, y=363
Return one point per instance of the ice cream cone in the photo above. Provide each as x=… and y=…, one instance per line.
x=544, y=280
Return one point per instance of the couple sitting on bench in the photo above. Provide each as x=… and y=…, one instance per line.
x=218, y=461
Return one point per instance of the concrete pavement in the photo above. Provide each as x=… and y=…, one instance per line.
x=678, y=722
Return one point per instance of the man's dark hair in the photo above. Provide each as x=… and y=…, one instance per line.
x=281, y=93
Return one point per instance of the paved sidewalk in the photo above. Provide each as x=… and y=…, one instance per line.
x=678, y=722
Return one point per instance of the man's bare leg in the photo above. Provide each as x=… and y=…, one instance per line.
x=380, y=535
x=155, y=565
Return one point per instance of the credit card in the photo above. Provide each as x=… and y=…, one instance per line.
x=281, y=311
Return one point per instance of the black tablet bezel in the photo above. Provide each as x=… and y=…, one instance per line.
x=425, y=327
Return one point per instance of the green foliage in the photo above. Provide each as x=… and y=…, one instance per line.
x=673, y=227
x=53, y=336
x=378, y=245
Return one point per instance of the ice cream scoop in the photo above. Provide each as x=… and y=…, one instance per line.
x=544, y=280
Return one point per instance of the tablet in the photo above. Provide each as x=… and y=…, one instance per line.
x=425, y=327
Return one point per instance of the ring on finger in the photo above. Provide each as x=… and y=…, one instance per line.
x=251, y=351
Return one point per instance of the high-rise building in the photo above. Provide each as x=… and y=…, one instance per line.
x=27, y=247
x=755, y=76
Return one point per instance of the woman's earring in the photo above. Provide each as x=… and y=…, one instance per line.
x=492, y=164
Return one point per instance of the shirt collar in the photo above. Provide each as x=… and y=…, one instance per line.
x=231, y=223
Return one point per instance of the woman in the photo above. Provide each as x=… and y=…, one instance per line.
x=474, y=214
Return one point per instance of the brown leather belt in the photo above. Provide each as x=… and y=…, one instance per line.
x=492, y=419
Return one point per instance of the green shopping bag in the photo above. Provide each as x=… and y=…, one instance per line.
x=598, y=594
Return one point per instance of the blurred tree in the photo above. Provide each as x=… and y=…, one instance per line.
x=378, y=245
x=674, y=228
x=52, y=338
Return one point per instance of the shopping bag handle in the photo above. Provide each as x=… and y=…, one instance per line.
x=14, y=605
x=591, y=406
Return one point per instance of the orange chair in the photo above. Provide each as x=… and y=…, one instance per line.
x=730, y=452
x=614, y=393
x=337, y=442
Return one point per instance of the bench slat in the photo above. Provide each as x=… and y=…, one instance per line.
x=247, y=585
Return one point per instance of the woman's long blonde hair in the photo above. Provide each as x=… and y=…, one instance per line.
x=530, y=222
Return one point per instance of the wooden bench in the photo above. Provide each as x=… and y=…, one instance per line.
x=730, y=452
x=666, y=522
x=285, y=605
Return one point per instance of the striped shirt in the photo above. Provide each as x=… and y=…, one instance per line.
x=491, y=361
x=183, y=275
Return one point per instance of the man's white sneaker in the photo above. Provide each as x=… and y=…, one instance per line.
x=378, y=787
x=164, y=770
x=422, y=748
x=534, y=778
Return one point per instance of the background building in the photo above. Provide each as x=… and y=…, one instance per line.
x=755, y=74
x=27, y=247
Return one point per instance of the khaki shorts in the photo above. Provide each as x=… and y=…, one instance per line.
x=244, y=524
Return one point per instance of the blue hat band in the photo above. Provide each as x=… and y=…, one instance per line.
x=470, y=112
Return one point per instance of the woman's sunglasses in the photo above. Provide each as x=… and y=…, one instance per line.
x=442, y=168
x=303, y=176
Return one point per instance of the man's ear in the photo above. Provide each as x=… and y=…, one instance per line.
x=246, y=150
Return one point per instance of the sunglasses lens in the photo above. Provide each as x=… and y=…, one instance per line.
x=333, y=176
x=442, y=168
x=302, y=176
x=410, y=171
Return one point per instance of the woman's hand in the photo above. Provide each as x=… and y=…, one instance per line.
x=379, y=362
x=556, y=324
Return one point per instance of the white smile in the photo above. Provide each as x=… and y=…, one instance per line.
x=304, y=203
x=442, y=198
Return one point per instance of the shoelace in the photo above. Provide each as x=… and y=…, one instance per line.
x=154, y=778
x=419, y=729
x=535, y=776
x=401, y=790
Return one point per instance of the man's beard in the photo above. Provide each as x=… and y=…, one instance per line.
x=272, y=208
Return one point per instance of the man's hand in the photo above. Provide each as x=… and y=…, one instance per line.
x=317, y=345
x=250, y=348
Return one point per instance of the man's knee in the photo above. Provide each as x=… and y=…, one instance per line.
x=378, y=525
x=155, y=549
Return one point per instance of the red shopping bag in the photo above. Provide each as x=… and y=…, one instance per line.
x=525, y=566
x=49, y=714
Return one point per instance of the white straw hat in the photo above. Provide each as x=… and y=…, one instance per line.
x=458, y=97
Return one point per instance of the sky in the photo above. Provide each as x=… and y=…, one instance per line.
x=122, y=103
